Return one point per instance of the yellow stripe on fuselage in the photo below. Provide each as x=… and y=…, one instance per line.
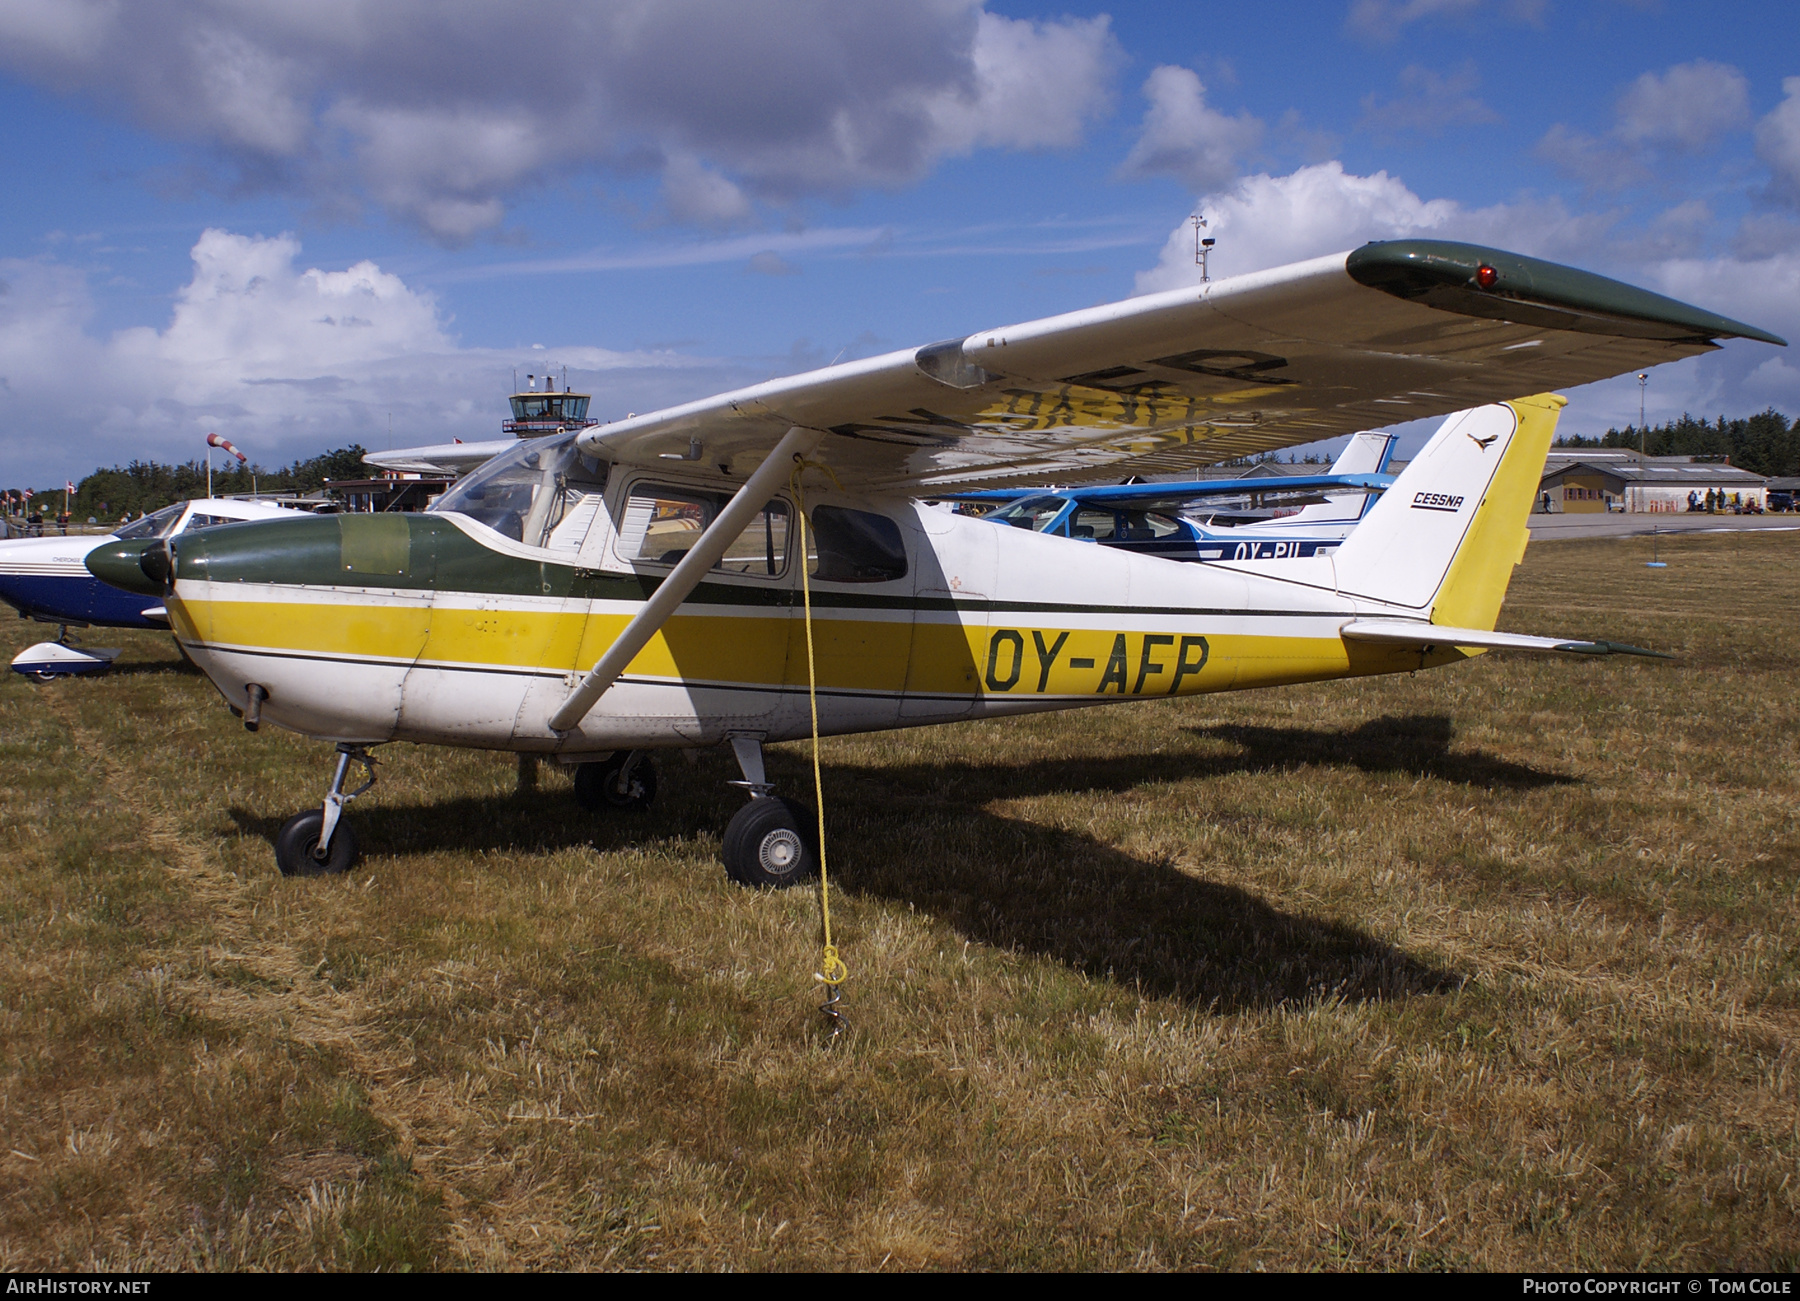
x=883, y=656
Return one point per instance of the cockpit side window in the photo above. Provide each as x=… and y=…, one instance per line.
x=854, y=546
x=1036, y=513
x=662, y=523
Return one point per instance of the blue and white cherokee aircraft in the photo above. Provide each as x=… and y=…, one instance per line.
x=46, y=579
x=1189, y=527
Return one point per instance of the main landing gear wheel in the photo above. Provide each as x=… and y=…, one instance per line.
x=625, y=781
x=770, y=842
x=297, y=847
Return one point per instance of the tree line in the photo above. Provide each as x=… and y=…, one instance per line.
x=145, y=486
x=1765, y=443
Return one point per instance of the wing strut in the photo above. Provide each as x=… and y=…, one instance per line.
x=686, y=576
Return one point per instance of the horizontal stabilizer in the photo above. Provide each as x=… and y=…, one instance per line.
x=1406, y=632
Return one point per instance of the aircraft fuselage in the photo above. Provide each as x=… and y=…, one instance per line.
x=434, y=628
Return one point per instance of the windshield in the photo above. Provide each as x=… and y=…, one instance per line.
x=154, y=526
x=1034, y=513
x=537, y=493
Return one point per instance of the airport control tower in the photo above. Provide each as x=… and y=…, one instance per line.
x=541, y=410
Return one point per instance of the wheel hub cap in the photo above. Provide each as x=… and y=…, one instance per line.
x=780, y=851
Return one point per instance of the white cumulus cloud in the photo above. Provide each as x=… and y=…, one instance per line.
x=284, y=361
x=1266, y=221
x=1778, y=144
x=440, y=113
x=1684, y=109
x=1184, y=137
x=1687, y=107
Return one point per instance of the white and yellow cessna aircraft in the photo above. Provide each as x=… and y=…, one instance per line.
x=638, y=585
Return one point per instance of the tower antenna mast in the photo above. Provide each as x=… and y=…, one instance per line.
x=1202, y=247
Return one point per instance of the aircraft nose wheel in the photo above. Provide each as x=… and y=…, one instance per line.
x=318, y=842
x=625, y=781
x=297, y=847
x=769, y=842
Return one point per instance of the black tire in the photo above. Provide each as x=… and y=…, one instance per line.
x=299, y=838
x=771, y=842
x=603, y=787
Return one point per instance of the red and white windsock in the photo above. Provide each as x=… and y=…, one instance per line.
x=213, y=440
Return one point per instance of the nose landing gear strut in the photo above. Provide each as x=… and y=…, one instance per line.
x=318, y=842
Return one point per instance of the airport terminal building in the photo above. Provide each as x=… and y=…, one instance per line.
x=1583, y=480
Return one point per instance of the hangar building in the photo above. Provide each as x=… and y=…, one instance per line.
x=1582, y=480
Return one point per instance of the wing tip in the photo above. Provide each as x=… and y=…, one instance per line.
x=1473, y=280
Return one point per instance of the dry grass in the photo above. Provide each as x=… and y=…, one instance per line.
x=1488, y=967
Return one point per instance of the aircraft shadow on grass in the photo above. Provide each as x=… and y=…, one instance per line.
x=919, y=835
x=1417, y=744
x=1144, y=924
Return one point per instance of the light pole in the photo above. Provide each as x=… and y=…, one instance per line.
x=1643, y=437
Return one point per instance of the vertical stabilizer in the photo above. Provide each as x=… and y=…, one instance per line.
x=1444, y=539
x=1366, y=453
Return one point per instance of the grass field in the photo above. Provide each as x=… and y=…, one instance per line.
x=1487, y=967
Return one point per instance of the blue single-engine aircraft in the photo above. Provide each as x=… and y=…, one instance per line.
x=1209, y=519
x=47, y=579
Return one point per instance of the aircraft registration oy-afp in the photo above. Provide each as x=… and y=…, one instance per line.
x=598, y=594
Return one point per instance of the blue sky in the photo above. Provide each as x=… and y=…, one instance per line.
x=304, y=226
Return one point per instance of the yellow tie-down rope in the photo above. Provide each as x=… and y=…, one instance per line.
x=832, y=971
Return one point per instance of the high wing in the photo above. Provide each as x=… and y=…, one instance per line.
x=440, y=458
x=1168, y=382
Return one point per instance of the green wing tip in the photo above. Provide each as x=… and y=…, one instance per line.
x=1611, y=648
x=1531, y=291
